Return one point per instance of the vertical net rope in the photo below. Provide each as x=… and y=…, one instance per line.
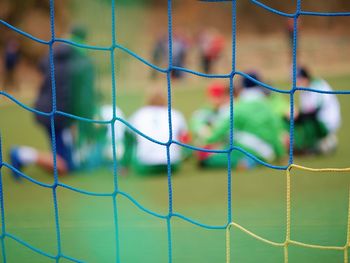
x=166, y=71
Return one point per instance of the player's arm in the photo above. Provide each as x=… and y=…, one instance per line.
x=199, y=123
x=219, y=131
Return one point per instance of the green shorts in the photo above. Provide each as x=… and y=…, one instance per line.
x=307, y=134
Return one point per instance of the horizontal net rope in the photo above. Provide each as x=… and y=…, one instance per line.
x=114, y=46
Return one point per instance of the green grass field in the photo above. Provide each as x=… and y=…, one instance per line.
x=319, y=203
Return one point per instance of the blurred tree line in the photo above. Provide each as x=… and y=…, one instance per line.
x=255, y=13
x=33, y=16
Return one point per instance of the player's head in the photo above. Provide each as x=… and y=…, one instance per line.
x=248, y=83
x=157, y=98
x=218, y=94
x=303, y=77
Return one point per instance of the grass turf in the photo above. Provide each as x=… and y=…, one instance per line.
x=319, y=204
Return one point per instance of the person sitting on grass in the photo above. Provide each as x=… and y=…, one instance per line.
x=257, y=130
x=149, y=157
x=318, y=118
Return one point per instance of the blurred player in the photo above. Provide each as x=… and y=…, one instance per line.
x=257, y=129
x=11, y=59
x=161, y=52
x=289, y=29
x=152, y=120
x=319, y=116
x=211, y=46
x=205, y=119
x=74, y=79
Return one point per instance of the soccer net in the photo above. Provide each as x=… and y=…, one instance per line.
x=5, y=234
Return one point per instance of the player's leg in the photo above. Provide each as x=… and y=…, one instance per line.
x=328, y=144
x=22, y=156
x=308, y=134
x=45, y=161
x=64, y=153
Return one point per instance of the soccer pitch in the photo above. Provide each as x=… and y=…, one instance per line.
x=318, y=212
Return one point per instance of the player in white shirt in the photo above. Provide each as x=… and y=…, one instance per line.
x=319, y=116
x=106, y=114
x=98, y=149
x=152, y=120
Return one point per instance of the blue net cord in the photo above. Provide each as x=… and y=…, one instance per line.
x=115, y=46
x=168, y=76
x=3, y=226
x=114, y=102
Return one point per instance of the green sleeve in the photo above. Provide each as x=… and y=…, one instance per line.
x=199, y=119
x=220, y=131
x=280, y=131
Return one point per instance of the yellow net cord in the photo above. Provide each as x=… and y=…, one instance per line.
x=288, y=240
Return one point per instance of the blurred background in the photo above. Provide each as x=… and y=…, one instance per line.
x=262, y=41
x=319, y=201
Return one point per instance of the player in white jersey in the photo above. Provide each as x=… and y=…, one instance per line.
x=97, y=150
x=319, y=115
x=106, y=114
x=152, y=120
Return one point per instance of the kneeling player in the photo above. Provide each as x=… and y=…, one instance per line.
x=319, y=116
x=257, y=130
